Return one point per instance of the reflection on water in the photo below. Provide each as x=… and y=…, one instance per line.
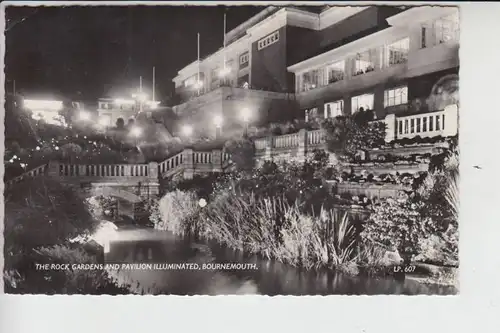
x=270, y=277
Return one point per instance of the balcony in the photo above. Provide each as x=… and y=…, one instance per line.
x=223, y=93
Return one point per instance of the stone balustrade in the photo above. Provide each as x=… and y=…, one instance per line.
x=439, y=123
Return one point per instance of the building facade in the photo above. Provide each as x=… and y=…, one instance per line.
x=109, y=110
x=409, y=67
x=291, y=62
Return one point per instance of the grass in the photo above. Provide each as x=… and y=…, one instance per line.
x=269, y=227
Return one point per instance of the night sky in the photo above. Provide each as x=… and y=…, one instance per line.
x=90, y=52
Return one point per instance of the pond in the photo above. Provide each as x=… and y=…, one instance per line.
x=261, y=277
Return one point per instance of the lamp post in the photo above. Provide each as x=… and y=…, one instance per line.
x=186, y=131
x=136, y=133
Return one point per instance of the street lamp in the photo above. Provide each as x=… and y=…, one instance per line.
x=136, y=131
x=84, y=115
x=186, y=130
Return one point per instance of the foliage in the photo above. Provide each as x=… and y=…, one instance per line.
x=242, y=153
x=277, y=230
x=43, y=212
x=348, y=135
x=399, y=226
x=25, y=278
x=173, y=209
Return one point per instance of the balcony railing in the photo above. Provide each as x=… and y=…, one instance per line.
x=444, y=123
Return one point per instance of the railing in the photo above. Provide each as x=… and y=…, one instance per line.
x=314, y=137
x=103, y=170
x=39, y=170
x=286, y=141
x=444, y=123
x=171, y=164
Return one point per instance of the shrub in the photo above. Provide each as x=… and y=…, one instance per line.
x=242, y=153
x=347, y=135
x=25, y=278
x=276, y=229
x=174, y=208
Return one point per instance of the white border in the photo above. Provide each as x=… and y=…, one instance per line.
x=476, y=309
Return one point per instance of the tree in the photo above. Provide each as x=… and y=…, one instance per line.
x=242, y=153
x=120, y=123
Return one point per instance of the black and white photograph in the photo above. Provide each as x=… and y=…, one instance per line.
x=231, y=149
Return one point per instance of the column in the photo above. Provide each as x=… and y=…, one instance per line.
x=153, y=171
x=302, y=152
x=188, y=164
x=390, y=132
x=53, y=169
x=216, y=160
x=268, y=153
x=450, y=120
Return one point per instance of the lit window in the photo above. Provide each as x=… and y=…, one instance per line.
x=310, y=80
x=244, y=59
x=446, y=29
x=396, y=96
x=397, y=52
x=365, y=62
x=268, y=40
x=311, y=114
x=335, y=72
x=334, y=109
x=362, y=103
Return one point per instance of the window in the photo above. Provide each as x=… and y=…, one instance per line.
x=334, y=109
x=268, y=40
x=244, y=59
x=362, y=103
x=446, y=29
x=396, y=96
x=190, y=81
x=423, y=37
x=310, y=80
x=215, y=74
x=335, y=72
x=397, y=52
x=365, y=62
x=311, y=114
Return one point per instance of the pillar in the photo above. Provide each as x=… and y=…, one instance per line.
x=188, y=163
x=153, y=171
x=450, y=120
x=268, y=152
x=302, y=150
x=216, y=160
x=390, y=131
x=53, y=169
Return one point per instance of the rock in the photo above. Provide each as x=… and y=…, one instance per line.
x=392, y=258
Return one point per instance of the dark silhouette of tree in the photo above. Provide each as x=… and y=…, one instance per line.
x=120, y=123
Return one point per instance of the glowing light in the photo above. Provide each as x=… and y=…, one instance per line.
x=84, y=115
x=198, y=85
x=122, y=101
x=56, y=148
x=37, y=148
x=224, y=72
x=140, y=96
x=187, y=130
x=104, y=234
x=245, y=114
x=153, y=104
x=23, y=165
x=218, y=121
x=202, y=202
x=48, y=105
x=136, y=131
x=104, y=121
